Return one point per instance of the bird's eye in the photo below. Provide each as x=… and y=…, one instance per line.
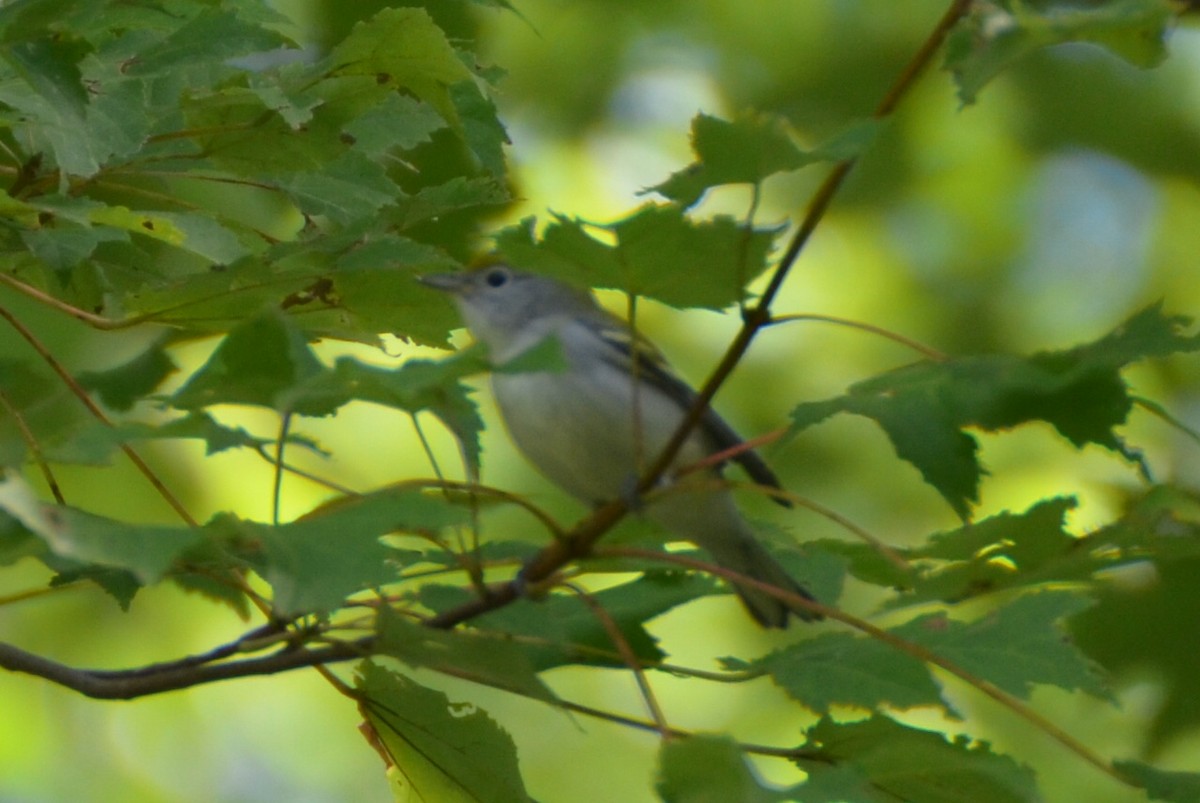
x=496, y=277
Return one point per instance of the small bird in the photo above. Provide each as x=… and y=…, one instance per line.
x=592, y=427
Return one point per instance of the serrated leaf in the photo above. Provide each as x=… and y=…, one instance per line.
x=146, y=551
x=995, y=35
x=405, y=46
x=482, y=130
x=561, y=629
x=745, y=150
x=1016, y=646
x=397, y=122
x=455, y=195
x=1174, y=787
x=264, y=362
x=1135, y=630
x=445, y=752
x=659, y=253
x=907, y=763
x=47, y=411
x=421, y=385
x=496, y=662
x=346, y=190
x=314, y=563
x=842, y=669
x=925, y=408
x=213, y=36
x=1002, y=551
x=62, y=246
x=125, y=385
x=710, y=769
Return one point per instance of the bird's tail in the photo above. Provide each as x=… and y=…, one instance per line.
x=712, y=521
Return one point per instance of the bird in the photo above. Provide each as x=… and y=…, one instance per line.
x=592, y=424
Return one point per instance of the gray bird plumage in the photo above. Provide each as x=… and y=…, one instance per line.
x=577, y=425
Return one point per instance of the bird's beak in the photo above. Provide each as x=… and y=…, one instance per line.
x=446, y=282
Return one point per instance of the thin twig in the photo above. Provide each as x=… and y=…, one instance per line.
x=81, y=394
x=628, y=656
x=285, y=422
x=35, y=448
x=928, y=351
x=910, y=648
x=589, y=531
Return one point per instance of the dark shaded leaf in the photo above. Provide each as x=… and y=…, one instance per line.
x=659, y=253
x=122, y=387
x=496, y=662
x=843, y=669
x=924, y=408
x=1016, y=646
x=443, y=750
x=708, y=769
x=905, y=763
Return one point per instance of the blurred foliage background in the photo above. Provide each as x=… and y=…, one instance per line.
x=1038, y=217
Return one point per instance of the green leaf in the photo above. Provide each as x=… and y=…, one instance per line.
x=905, y=763
x=209, y=39
x=496, y=662
x=1003, y=551
x=1134, y=631
x=122, y=387
x=50, y=92
x=62, y=245
x=346, y=190
x=843, y=669
x=560, y=629
x=147, y=551
x=455, y=195
x=94, y=443
x=314, y=563
x=659, y=253
x=446, y=752
x=1018, y=550
x=993, y=36
x=397, y=122
x=483, y=132
x=1015, y=646
x=46, y=408
x=264, y=362
x=1174, y=787
x=416, y=386
x=745, y=150
x=710, y=769
x=404, y=46
x=924, y=408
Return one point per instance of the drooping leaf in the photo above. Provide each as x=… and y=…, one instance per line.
x=145, y=550
x=560, y=629
x=707, y=769
x=264, y=362
x=659, y=253
x=900, y=762
x=748, y=150
x=1016, y=646
x=314, y=563
x=419, y=385
x=443, y=752
x=405, y=46
x=843, y=669
x=995, y=35
x=123, y=386
x=1173, y=787
x=1136, y=631
x=496, y=662
x=925, y=408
